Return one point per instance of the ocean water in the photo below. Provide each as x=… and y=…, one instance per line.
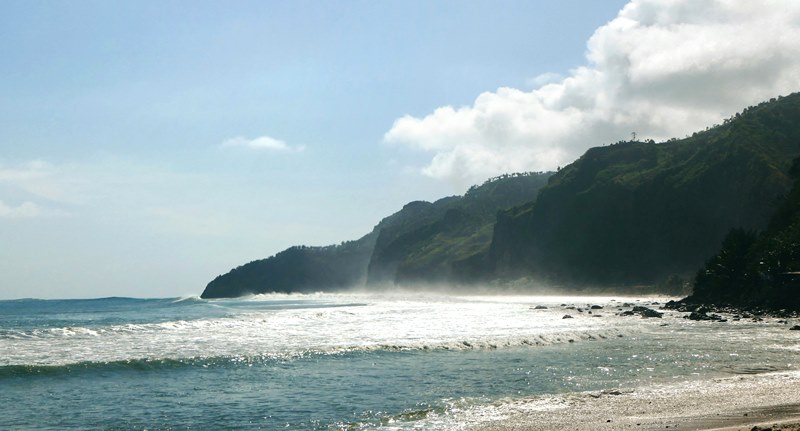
x=348, y=361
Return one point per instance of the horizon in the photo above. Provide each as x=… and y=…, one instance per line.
x=149, y=148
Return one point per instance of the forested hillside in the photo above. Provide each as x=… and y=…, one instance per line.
x=431, y=246
x=637, y=212
x=421, y=241
x=628, y=214
x=757, y=269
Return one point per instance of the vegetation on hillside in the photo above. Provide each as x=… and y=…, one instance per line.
x=432, y=245
x=632, y=213
x=639, y=212
x=423, y=238
x=299, y=269
x=753, y=269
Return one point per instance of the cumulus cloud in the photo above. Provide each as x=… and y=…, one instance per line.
x=544, y=79
x=264, y=143
x=660, y=69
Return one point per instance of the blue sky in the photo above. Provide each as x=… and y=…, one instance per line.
x=146, y=147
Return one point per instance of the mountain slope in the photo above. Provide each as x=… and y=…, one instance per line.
x=636, y=212
x=299, y=269
x=447, y=232
x=423, y=240
x=626, y=214
x=754, y=269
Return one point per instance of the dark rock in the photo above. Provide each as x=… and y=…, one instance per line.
x=642, y=311
x=596, y=307
x=696, y=315
x=680, y=307
x=567, y=316
x=690, y=307
x=540, y=307
x=651, y=313
x=795, y=328
x=647, y=312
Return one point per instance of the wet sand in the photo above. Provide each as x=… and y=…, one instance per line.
x=769, y=402
x=784, y=425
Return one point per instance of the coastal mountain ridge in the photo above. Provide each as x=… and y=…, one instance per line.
x=423, y=239
x=757, y=269
x=639, y=212
x=627, y=214
x=431, y=244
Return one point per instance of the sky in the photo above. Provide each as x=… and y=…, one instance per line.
x=147, y=147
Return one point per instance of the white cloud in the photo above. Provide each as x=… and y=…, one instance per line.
x=544, y=79
x=261, y=143
x=661, y=69
x=40, y=181
x=24, y=210
x=106, y=188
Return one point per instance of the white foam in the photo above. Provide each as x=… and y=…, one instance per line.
x=681, y=405
x=348, y=322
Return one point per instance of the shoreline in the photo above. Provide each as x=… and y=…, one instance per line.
x=792, y=424
x=741, y=402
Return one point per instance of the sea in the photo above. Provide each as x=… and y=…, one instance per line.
x=351, y=361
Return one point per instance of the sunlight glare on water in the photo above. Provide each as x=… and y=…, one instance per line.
x=352, y=361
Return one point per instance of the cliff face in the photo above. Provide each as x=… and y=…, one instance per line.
x=635, y=212
x=298, y=269
x=421, y=242
x=626, y=214
x=433, y=245
x=757, y=269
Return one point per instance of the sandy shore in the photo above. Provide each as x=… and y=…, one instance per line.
x=768, y=402
x=781, y=425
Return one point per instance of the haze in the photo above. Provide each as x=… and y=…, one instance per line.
x=147, y=147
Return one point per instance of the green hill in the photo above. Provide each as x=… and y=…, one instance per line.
x=757, y=270
x=431, y=246
x=638, y=212
x=297, y=269
x=627, y=214
x=422, y=240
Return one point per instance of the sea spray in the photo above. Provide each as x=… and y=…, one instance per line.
x=353, y=361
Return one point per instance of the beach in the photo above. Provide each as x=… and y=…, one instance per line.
x=749, y=402
x=781, y=425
